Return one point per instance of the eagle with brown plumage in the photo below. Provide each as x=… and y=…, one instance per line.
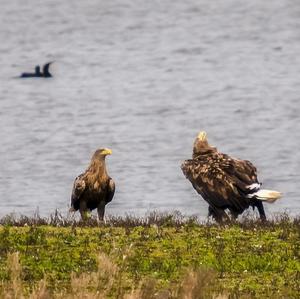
x=225, y=182
x=94, y=188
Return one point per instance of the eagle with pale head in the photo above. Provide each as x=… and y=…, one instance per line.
x=225, y=182
x=94, y=188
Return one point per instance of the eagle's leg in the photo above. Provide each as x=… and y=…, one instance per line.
x=101, y=210
x=83, y=210
x=234, y=214
x=261, y=210
x=218, y=214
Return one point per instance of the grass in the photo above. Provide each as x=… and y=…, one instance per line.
x=160, y=256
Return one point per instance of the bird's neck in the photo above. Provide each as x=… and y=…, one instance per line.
x=98, y=168
x=203, y=151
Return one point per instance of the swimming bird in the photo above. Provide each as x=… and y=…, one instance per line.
x=94, y=188
x=46, y=73
x=38, y=73
x=225, y=182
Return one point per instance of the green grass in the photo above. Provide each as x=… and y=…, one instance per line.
x=248, y=258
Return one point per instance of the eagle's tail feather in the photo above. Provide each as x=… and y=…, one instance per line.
x=269, y=196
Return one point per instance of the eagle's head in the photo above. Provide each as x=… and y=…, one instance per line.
x=201, y=145
x=101, y=153
x=202, y=136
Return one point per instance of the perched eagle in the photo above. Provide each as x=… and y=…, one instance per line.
x=225, y=182
x=93, y=188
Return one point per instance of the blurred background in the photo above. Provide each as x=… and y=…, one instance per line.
x=143, y=78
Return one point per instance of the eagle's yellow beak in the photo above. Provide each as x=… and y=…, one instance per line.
x=202, y=136
x=106, y=151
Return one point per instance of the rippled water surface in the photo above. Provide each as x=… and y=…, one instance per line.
x=143, y=77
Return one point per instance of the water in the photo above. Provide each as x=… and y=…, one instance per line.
x=143, y=77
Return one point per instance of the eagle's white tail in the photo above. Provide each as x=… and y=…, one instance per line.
x=267, y=195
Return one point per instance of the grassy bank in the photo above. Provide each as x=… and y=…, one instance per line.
x=159, y=257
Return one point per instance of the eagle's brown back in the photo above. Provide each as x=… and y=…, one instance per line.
x=221, y=180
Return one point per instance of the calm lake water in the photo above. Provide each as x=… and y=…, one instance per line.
x=142, y=78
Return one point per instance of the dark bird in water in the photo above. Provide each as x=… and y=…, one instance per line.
x=225, y=182
x=46, y=73
x=94, y=188
x=38, y=73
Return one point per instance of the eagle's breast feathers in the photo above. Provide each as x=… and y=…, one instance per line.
x=92, y=191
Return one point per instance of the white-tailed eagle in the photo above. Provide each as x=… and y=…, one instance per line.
x=225, y=182
x=94, y=188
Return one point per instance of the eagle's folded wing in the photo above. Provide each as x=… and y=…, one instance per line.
x=111, y=190
x=218, y=181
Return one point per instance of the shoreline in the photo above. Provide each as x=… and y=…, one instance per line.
x=175, y=218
